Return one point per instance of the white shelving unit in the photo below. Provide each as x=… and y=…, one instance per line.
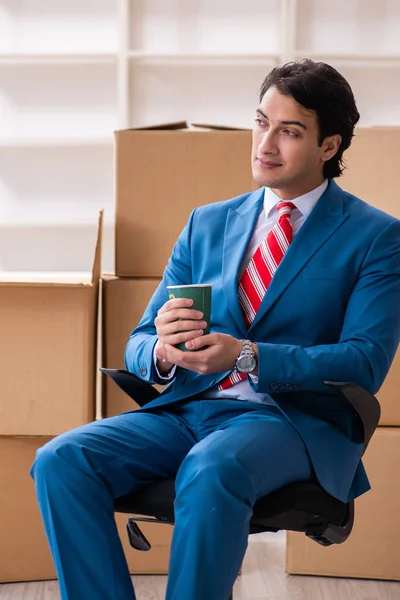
x=73, y=71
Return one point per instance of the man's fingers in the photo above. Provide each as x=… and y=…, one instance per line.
x=179, y=357
x=175, y=303
x=183, y=336
x=183, y=325
x=206, y=340
x=193, y=361
x=178, y=314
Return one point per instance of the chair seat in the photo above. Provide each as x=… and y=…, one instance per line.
x=297, y=506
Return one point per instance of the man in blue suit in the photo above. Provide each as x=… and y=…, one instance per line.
x=330, y=312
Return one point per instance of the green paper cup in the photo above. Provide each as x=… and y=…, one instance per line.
x=201, y=296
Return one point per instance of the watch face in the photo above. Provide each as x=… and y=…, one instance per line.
x=246, y=363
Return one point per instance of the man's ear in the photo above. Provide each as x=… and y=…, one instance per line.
x=330, y=146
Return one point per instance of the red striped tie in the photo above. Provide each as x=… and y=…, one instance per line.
x=258, y=275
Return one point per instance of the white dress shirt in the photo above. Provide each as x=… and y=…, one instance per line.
x=268, y=216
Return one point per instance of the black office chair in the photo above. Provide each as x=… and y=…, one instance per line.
x=302, y=506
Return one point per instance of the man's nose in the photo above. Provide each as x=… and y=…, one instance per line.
x=267, y=144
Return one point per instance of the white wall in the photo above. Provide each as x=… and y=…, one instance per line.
x=73, y=71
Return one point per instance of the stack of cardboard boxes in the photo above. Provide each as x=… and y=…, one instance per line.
x=371, y=551
x=48, y=329
x=162, y=173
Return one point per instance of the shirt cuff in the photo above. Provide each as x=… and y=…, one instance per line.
x=171, y=374
x=254, y=378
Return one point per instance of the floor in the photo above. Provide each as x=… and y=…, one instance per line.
x=263, y=578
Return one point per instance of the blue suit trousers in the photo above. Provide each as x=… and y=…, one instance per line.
x=224, y=456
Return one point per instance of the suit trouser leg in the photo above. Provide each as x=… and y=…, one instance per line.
x=245, y=457
x=77, y=476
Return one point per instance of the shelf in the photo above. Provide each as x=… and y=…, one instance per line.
x=375, y=91
x=58, y=26
x=217, y=26
x=356, y=27
x=353, y=60
x=42, y=101
x=58, y=59
x=224, y=95
x=61, y=222
x=49, y=186
x=59, y=142
x=203, y=58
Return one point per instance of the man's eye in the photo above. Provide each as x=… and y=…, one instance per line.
x=259, y=121
x=290, y=132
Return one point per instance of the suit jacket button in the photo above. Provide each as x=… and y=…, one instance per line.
x=289, y=386
x=281, y=386
x=273, y=386
x=296, y=386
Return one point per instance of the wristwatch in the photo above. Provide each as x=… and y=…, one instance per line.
x=246, y=361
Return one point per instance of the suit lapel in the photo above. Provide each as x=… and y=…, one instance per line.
x=326, y=217
x=239, y=228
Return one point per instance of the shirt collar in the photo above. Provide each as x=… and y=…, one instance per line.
x=304, y=203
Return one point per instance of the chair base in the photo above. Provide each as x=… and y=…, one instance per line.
x=137, y=539
x=326, y=535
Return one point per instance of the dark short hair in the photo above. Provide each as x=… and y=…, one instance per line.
x=322, y=89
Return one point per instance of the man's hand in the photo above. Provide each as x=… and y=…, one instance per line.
x=176, y=322
x=219, y=356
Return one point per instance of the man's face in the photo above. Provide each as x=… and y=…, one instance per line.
x=286, y=156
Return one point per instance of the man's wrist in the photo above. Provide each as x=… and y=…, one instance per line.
x=164, y=367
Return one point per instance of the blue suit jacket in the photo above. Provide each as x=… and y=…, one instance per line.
x=331, y=312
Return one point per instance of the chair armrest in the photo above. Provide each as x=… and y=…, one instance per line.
x=364, y=403
x=140, y=391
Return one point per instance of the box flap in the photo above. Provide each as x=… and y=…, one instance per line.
x=59, y=278
x=163, y=126
x=216, y=127
x=186, y=126
x=96, y=270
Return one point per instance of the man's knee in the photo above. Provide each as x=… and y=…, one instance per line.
x=51, y=457
x=205, y=470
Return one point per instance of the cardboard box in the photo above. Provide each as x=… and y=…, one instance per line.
x=162, y=173
x=372, y=550
x=48, y=325
x=388, y=395
x=24, y=552
x=124, y=301
x=372, y=162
